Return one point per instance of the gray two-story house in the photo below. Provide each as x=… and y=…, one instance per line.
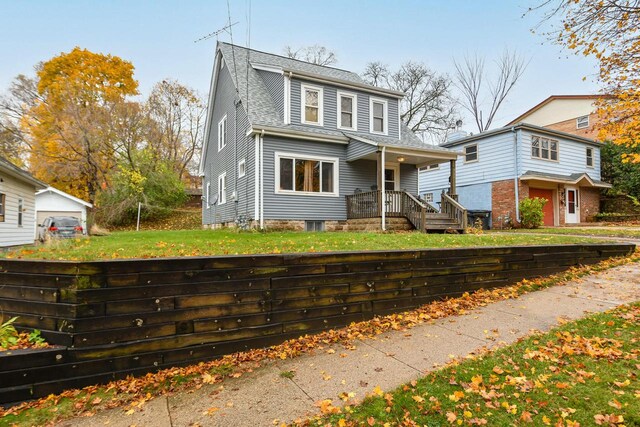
x=501, y=167
x=293, y=145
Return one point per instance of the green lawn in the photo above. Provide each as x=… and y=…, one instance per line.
x=630, y=232
x=581, y=374
x=153, y=244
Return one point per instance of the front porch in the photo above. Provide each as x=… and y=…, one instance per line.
x=389, y=198
x=423, y=216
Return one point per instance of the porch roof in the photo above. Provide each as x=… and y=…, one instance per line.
x=579, y=179
x=413, y=152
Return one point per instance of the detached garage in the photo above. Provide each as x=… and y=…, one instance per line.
x=53, y=202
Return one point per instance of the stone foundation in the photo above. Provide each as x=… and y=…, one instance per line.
x=374, y=224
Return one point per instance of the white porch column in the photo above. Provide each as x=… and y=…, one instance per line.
x=383, y=197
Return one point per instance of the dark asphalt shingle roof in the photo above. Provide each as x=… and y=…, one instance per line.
x=262, y=110
x=572, y=178
x=8, y=167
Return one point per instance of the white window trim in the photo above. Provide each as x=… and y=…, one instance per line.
x=584, y=126
x=207, y=200
x=242, y=168
x=593, y=160
x=354, y=112
x=222, y=195
x=385, y=122
x=396, y=173
x=428, y=197
x=303, y=89
x=336, y=174
x=540, y=148
x=477, y=159
x=222, y=140
x=287, y=99
x=21, y=210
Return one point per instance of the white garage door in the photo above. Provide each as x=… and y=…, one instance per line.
x=41, y=215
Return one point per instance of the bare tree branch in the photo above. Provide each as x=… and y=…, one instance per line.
x=315, y=54
x=427, y=108
x=477, y=93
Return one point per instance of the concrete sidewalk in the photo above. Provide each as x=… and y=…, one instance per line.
x=264, y=397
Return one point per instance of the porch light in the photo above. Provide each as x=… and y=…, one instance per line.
x=400, y=159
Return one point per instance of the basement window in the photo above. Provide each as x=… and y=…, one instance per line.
x=314, y=226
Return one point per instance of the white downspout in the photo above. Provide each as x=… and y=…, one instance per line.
x=515, y=176
x=383, y=197
x=262, y=180
x=258, y=166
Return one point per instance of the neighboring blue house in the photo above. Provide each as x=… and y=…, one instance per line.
x=501, y=166
x=293, y=145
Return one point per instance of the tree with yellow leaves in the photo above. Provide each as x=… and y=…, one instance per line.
x=69, y=126
x=608, y=30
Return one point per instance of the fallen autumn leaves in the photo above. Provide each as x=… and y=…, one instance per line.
x=583, y=373
x=134, y=392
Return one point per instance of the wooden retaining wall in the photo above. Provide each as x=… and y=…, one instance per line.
x=128, y=317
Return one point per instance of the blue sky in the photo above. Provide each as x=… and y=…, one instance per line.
x=158, y=37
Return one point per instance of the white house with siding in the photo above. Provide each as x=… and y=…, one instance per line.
x=290, y=144
x=17, y=205
x=54, y=202
x=505, y=165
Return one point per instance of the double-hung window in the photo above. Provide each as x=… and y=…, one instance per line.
x=347, y=111
x=222, y=133
x=306, y=174
x=590, y=157
x=378, y=116
x=311, y=105
x=2, y=206
x=242, y=168
x=582, y=122
x=544, y=148
x=20, y=211
x=471, y=153
x=222, y=188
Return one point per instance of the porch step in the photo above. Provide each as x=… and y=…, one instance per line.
x=431, y=216
x=443, y=227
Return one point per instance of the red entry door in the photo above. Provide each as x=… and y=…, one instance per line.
x=548, y=207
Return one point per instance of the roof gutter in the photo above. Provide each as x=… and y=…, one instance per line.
x=289, y=133
x=346, y=84
x=533, y=128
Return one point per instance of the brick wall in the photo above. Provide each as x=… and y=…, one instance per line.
x=569, y=126
x=503, y=200
x=589, y=204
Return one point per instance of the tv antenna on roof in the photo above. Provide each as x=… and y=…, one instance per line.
x=224, y=29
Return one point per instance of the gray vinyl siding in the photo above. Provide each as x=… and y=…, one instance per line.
x=496, y=162
x=572, y=158
x=238, y=146
x=358, y=174
x=358, y=149
x=409, y=178
x=10, y=233
x=274, y=82
x=330, y=108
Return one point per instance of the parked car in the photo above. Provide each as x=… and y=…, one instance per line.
x=59, y=227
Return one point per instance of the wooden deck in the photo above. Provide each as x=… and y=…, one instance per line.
x=422, y=215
